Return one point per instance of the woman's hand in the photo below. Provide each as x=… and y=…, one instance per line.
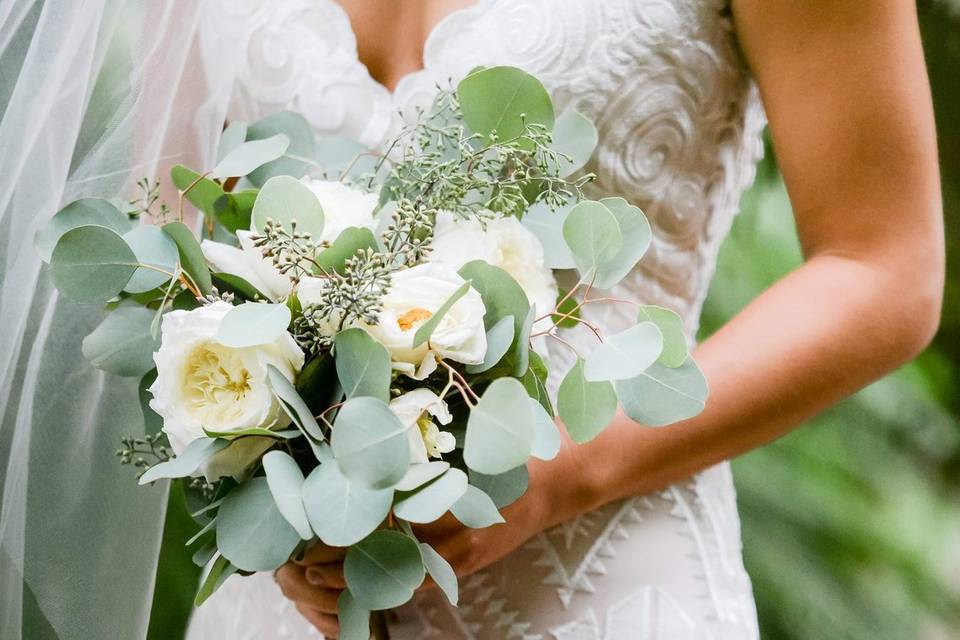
x=315, y=582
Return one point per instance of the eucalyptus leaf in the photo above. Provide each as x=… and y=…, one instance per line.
x=286, y=434
x=213, y=578
x=286, y=485
x=79, y=213
x=546, y=440
x=534, y=381
x=499, y=100
x=593, y=234
x=568, y=310
x=301, y=150
x=152, y=422
x=441, y=572
x=421, y=473
x=425, y=330
x=626, y=354
x=152, y=247
x=520, y=358
x=574, y=136
x=476, y=510
x=504, y=488
x=234, y=210
x=363, y=364
x=348, y=243
x=189, y=460
x=123, y=344
x=383, y=570
x=636, y=240
x=231, y=138
x=663, y=395
x=200, y=191
x=251, y=155
x=92, y=264
x=432, y=500
x=341, y=512
x=251, y=532
x=284, y=199
x=500, y=429
x=354, y=620
x=252, y=324
x=237, y=286
x=191, y=257
x=671, y=326
x=547, y=225
x=499, y=339
x=293, y=404
x=585, y=407
x=370, y=443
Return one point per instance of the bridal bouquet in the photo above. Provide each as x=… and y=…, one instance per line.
x=351, y=345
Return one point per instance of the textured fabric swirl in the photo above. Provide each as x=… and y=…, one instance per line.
x=679, y=121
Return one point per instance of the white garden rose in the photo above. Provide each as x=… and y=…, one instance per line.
x=415, y=295
x=343, y=206
x=505, y=243
x=202, y=384
x=417, y=410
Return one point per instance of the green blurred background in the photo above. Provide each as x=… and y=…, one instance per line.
x=851, y=524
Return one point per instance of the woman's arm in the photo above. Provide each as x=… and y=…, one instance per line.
x=845, y=90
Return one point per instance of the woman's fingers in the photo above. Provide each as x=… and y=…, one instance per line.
x=294, y=585
x=325, y=623
x=322, y=554
x=326, y=575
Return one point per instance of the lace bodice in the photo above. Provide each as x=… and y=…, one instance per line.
x=679, y=123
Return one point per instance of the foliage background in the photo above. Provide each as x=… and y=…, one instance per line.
x=851, y=524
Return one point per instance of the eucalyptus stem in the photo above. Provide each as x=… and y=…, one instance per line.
x=379, y=626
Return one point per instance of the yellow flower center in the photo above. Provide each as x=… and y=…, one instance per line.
x=215, y=384
x=412, y=317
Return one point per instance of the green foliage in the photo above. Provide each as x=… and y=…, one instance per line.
x=441, y=572
x=425, y=330
x=123, y=344
x=363, y=365
x=546, y=436
x=421, y=473
x=302, y=145
x=637, y=236
x=574, y=138
x=370, y=443
x=499, y=339
x=340, y=512
x=663, y=395
x=286, y=200
x=191, y=257
x=500, y=103
x=293, y=404
x=86, y=211
x=430, y=501
x=286, y=485
x=624, y=355
x=187, y=462
x=152, y=247
x=500, y=430
x=354, y=620
x=671, y=328
x=348, y=243
x=475, y=509
x=248, y=517
x=252, y=324
x=503, y=488
x=383, y=570
x=248, y=156
x=92, y=264
x=585, y=407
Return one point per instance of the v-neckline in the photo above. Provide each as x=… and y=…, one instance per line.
x=431, y=35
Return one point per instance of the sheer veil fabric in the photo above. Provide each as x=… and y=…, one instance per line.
x=94, y=95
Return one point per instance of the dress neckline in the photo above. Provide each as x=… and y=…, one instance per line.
x=435, y=32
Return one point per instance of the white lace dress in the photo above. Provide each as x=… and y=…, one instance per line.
x=679, y=121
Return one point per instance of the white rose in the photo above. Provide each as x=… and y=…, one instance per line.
x=343, y=206
x=415, y=295
x=505, y=243
x=204, y=384
x=416, y=411
x=248, y=263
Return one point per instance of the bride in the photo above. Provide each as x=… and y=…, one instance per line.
x=634, y=535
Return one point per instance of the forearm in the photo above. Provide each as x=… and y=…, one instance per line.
x=818, y=335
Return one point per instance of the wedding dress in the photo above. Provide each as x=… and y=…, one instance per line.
x=679, y=120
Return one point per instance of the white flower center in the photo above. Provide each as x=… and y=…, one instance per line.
x=215, y=384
